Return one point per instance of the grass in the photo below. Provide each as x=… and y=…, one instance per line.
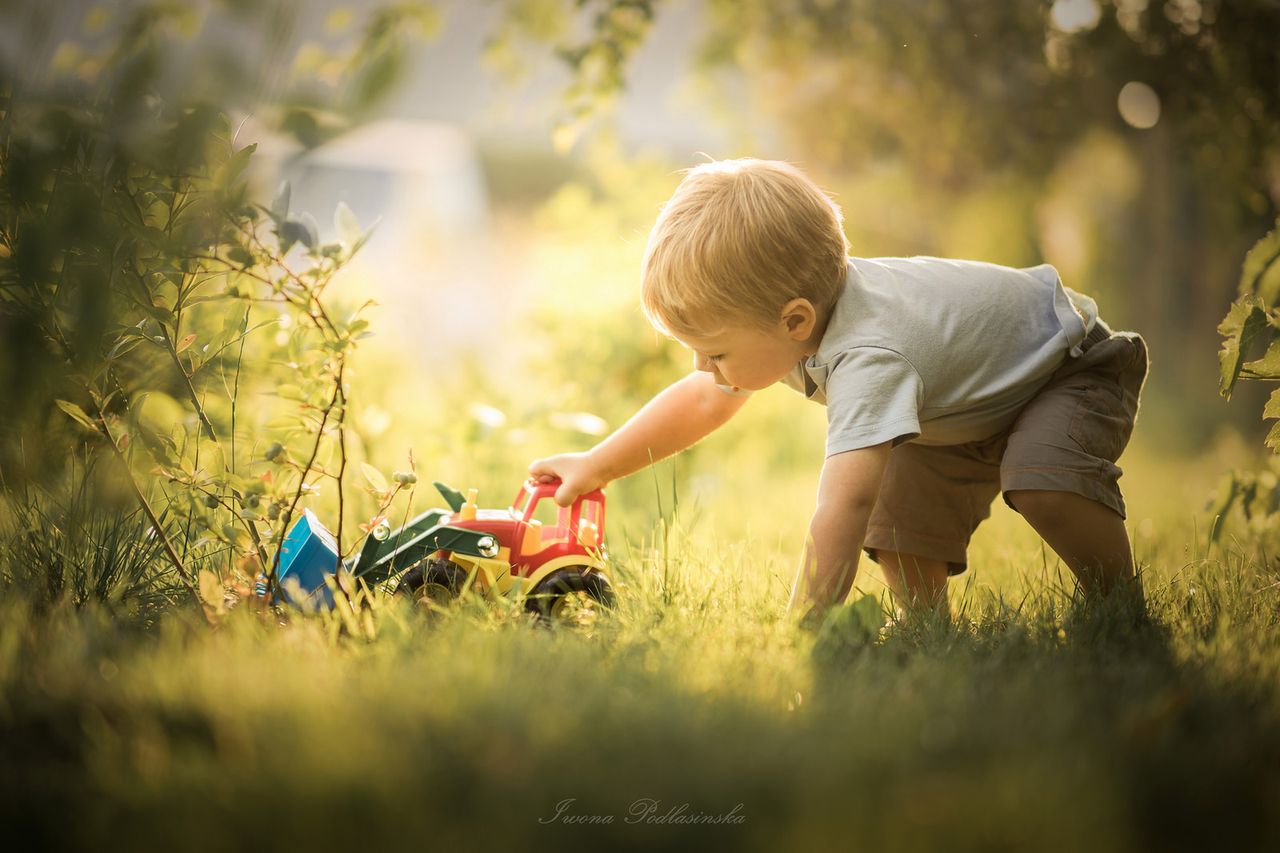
x=83, y=541
x=1030, y=721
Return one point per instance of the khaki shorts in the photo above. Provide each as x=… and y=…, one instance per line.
x=1067, y=439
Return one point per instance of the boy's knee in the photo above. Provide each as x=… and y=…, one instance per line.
x=1043, y=507
x=1040, y=504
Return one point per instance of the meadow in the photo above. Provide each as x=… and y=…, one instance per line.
x=691, y=714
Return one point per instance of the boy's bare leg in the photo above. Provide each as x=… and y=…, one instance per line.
x=917, y=583
x=1088, y=536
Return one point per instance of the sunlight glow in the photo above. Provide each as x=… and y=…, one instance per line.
x=583, y=422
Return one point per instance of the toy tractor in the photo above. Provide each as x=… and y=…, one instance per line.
x=558, y=567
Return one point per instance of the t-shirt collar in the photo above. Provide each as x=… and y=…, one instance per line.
x=827, y=348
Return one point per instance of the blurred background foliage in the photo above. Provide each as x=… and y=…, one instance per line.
x=514, y=155
x=1133, y=144
x=132, y=263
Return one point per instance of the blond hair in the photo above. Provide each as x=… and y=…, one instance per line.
x=738, y=240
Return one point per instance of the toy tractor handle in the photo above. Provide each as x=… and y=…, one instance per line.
x=536, y=490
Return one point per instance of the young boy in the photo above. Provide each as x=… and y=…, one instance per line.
x=945, y=381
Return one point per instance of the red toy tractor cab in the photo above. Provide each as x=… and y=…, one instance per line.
x=554, y=555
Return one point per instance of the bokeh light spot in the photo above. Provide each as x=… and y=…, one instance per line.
x=1139, y=105
x=1072, y=16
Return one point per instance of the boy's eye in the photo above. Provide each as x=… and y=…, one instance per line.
x=715, y=357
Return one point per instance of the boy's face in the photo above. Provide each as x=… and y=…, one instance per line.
x=751, y=358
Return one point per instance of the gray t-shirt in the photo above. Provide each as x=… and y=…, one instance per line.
x=938, y=351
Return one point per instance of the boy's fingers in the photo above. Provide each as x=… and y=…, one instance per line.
x=541, y=471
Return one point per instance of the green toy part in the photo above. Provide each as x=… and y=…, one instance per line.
x=454, y=498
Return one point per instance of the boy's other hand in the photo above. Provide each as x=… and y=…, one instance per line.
x=575, y=471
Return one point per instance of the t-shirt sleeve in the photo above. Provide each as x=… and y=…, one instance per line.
x=873, y=396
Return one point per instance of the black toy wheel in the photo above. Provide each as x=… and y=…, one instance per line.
x=433, y=582
x=571, y=595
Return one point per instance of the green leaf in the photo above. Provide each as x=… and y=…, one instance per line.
x=1272, y=408
x=375, y=478
x=235, y=165
x=134, y=331
x=847, y=631
x=240, y=255
x=346, y=225
x=1243, y=323
x=376, y=78
x=280, y=204
x=1267, y=367
x=289, y=232
x=77, y=414
x=364, y=238
x=1248, y=491
x=211, y=590
x=298, y=229
x=1222, y=501
x=310, y=230
x=123, y=346
x=164, y=315
x=1260, y=274
x=1273, y=437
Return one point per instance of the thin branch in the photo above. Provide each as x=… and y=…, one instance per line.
x=169, y=550
x=302, y=482
x=342, y=450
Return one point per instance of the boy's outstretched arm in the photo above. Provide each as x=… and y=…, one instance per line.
x=847, y=491
x=679, y=416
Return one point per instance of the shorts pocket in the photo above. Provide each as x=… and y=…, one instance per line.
x=1103, y=420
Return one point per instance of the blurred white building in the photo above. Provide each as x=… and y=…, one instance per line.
x=434, y=264
x=429, y=262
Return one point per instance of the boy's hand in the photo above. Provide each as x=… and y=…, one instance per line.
x=847, y=491
x=576, y=471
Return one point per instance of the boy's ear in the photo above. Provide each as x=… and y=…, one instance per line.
x=799, y=317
